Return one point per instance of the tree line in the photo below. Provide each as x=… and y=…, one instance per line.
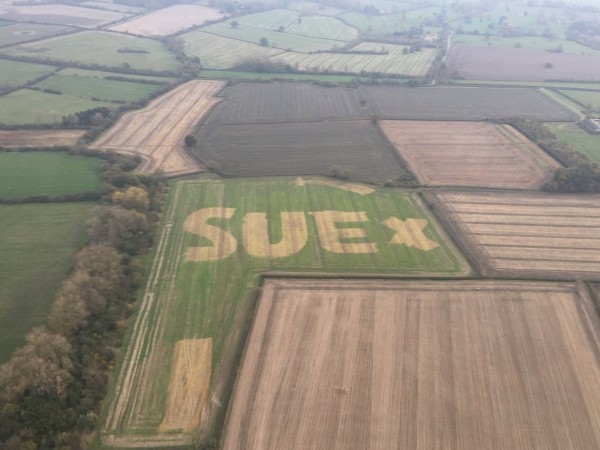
x=51, y=388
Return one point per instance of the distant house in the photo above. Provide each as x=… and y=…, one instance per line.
x=592, y=126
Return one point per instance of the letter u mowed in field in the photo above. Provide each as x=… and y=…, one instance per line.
x=203, y=285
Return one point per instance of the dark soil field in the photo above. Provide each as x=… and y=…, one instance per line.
x=285, y=102
x=525, y=235
x=299, y=149
x=475, y=62
x=462, y=103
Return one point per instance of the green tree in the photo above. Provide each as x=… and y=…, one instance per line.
x=264, y=42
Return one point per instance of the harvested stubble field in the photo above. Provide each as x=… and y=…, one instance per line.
x=169, y=20
x=60, y=14
x=419, y=365
x=469, y=154
x=358, y=148
x=157, y=132
x=39, y=138
x=462, y=103
x=217, y=236
x=285, y=102
x=525, y=234
x=479, y=63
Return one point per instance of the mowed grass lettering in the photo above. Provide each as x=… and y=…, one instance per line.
x=338, y=232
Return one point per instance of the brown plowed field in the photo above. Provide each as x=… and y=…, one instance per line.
x=526, y=234
x=469, y=154
x=40, y=138
x=354, y=365
x=156, y=133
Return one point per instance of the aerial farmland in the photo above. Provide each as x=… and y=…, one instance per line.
x=292, y=225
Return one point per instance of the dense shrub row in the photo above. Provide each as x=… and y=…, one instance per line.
x=51, y=388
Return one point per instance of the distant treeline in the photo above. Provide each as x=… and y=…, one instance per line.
x=51, y=388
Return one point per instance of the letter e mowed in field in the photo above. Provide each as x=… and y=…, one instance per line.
x=348, y=238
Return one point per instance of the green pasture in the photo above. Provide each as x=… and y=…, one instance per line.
x=103, y=74
x=268, y=20
x=276, y=39
x=17, y=73
x=98, y=88
x=37, y=243
x=101, y=48
x=589, y=100
x=25, y=174
x=531, y=42
x=389, y=23
x=27, y=106
x=22, y=32
x=394, y=63
x=577, y=138
x=217, y=52
x=323, y=27
x=547, y=84
x=215, y=299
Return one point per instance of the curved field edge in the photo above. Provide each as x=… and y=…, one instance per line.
x=215, y=299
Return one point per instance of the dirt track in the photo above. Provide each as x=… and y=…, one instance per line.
x=469, y=154
x=418, y=365
x=156, y=133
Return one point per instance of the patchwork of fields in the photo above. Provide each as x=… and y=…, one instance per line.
x=470, y=154
x=418, y=365
x=255, y=226
x=60, y=15
x=157, y=132
x=523, y=235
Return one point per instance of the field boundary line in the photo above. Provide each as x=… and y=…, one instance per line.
x=554, y=96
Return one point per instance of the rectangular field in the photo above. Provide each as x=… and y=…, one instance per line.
x=101, y=48
x=37, y=244
x=358, y=148
x=394, y=63
x=462, y=103
x=39, y=138
x=29, y=107
x=22, y=32
x=157, y=132
x=216, y=237
x=526, y=234
x=60, y=15
x=479, y=63
x=17, y=73
x=169, y=20
x=469, y=154
x=578, y=139
x=354, y=365
x=285, y=102
x=27, y=174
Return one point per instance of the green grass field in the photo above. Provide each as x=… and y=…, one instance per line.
x=276, y=39
x=98, y=88
x=577, y=138
x=25, y=174
x=99, y=47
x=323, y=27
x=37, y=242
x=589, y=100
x=394, y=63
x=27, y=106
x=215, y=298
x=532, y=42
x=269, y=20
x=22, y=32
x=17, y=73
x=104, y=74
x=548, y=84
x=389, y=23
x=217, y=52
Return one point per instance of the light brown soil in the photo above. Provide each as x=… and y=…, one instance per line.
x=360, y=189
x=469, y=154
x=156, y=133
x=526, y=234
x=169, y=20
x=294, y=234
x=334, y=239
x=224, y=244
x=40, y=138
x=354, y=365
x=190, y=378
x=409, y=232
